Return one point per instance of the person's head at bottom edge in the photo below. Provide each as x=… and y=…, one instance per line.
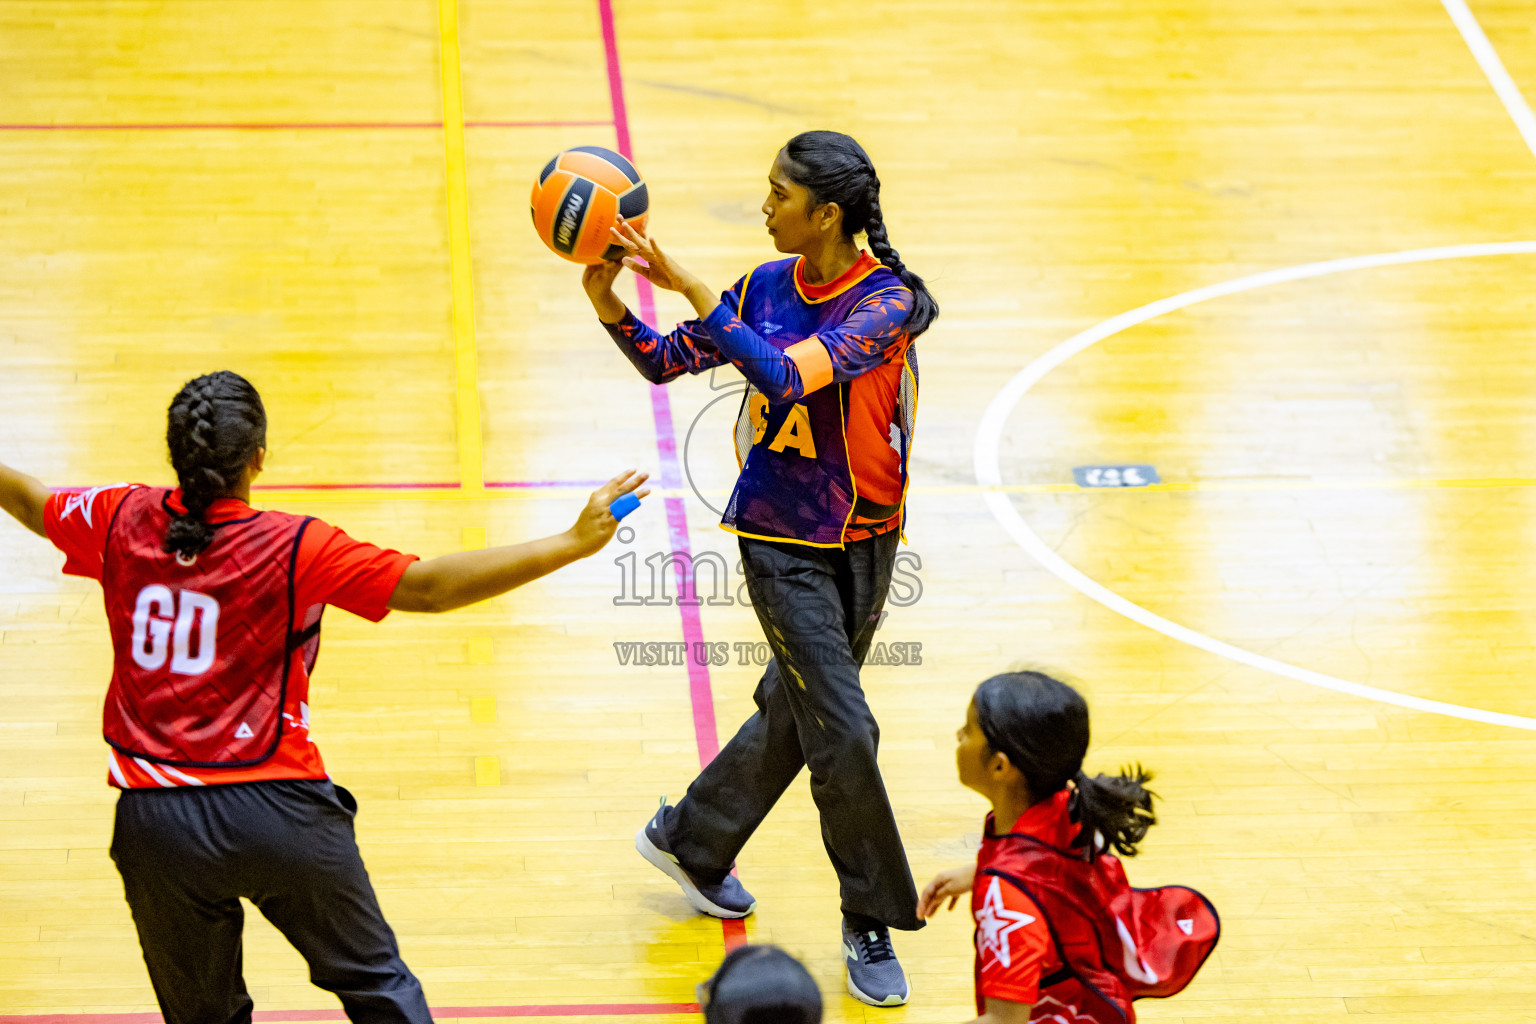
x=760, y=985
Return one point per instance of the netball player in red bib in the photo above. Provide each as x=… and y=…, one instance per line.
x=1061, y=937
x=214, y=610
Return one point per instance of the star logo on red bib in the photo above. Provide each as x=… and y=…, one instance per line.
x=995, y=922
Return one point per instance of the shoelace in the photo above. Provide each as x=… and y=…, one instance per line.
x=877, y=946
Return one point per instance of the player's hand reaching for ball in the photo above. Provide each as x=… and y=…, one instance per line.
x=596, y=525
x=950, y=885
x=597, y=279
x=644, y=256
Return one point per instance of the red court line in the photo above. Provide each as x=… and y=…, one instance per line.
x=172, y=126
x=699, y=691
x=444, y=1012
x=538, y=124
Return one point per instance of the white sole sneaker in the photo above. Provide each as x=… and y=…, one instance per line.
x=674, y=871
x=892, y=1000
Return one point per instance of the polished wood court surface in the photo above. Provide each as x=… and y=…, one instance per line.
x=329, y=197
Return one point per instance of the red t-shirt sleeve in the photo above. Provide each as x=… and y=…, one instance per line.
x=336, y=570
x=1012, y=942
x=77, y=523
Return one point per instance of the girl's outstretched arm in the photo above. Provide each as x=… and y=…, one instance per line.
x=23, y=497
x=466, y=577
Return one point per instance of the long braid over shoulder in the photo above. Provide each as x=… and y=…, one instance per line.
x=835, y=169
x=215, y=425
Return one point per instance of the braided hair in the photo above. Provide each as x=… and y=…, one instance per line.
x=1041, y=724
x=835, y=169
x=215, y=426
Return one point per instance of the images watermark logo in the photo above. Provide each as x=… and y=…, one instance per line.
x=727, y=585
x=719, y=653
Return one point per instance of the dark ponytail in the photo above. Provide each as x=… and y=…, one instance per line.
x=215, y=426
x=1041, y=724
x=835, y=169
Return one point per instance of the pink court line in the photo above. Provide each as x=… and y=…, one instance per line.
x=498, y=485
x=700, y=693
x=441, y=1012
x=171, y=126
x=702, y=696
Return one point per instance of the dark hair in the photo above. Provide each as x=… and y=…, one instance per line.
x=835, y=169
x=761, y=985
x=1041, y=724
x=215, y=425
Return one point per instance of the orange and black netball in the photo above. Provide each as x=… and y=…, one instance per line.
x=580, y=195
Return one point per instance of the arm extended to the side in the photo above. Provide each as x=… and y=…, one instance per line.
x=438, y=584
x=466, y=577
x=23, y=497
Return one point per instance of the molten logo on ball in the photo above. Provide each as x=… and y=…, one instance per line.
x=580, y=196
x=570, y=221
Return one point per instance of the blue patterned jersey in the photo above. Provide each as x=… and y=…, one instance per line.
x=825, y=427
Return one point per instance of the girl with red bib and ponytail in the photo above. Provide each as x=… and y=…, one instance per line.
x=214, y=610
x=1061, y=936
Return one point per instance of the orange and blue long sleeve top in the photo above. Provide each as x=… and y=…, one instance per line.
x=825, y=426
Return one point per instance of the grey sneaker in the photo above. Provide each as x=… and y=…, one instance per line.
x=727, y=899
x=874, y=975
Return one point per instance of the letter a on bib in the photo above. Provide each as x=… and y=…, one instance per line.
x=796, y=433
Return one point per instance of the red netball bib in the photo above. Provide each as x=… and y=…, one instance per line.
x=1116, y=944
x=202, y=648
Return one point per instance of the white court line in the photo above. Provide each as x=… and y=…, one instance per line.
x=988, y=474
x=1488, y=59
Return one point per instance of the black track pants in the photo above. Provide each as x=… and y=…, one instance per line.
x=819, y=608
x=188, y=854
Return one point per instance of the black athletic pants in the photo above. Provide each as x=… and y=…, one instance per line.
x=819, y=608
x=188, y=854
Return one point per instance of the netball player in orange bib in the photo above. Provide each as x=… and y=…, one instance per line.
x=214, y=610
x=825, y=341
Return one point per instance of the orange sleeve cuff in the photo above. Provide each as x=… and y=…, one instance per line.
x=813, y=361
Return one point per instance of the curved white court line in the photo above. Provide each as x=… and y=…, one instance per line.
x=989, y=475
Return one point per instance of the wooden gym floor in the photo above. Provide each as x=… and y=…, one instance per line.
x=328, y=196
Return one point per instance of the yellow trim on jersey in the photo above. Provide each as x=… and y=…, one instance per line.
x=842, y=421
x=741, y=300
x=794, y=276
x=779, y=540
x=741, y=304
